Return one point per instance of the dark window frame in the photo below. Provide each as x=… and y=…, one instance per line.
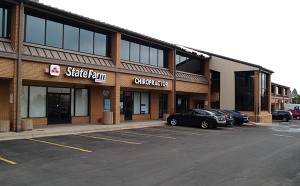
x=164, y=52
x=106, y=44
x=244, y=91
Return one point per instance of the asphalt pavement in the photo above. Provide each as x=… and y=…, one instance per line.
x=158, y=155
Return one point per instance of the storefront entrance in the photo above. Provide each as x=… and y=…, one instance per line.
x=128, y=105
x=59, y=108
x=182, y=103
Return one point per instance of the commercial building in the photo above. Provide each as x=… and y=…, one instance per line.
x=280, y=95
x=58, y=67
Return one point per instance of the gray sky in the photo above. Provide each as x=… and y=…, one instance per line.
x=262, y=32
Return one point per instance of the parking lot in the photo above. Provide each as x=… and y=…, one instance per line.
x=244, y=155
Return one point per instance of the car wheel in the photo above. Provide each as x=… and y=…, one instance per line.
x=204, y=124
x=241, y=123
x=298, y=117
x=285, y=119
x=173, y=122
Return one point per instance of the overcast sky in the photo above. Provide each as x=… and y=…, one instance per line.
x=262, y=32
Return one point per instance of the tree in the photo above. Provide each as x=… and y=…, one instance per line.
x=295, y=97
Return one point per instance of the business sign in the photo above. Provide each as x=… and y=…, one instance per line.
x=150, y=82
x=54, y=70
x=91, y=74
x=79, y=73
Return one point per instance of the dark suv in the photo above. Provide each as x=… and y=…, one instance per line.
x=283, y=115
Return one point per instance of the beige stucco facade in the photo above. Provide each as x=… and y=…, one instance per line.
x=227, y=81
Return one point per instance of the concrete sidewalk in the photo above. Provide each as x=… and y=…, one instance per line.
x=67, y=129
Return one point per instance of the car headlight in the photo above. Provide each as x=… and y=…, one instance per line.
x=216, y=118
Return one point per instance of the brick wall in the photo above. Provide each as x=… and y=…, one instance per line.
x=141, y=117
x=96, y=104
x=39, y=121
x=191, y=87
x=4, y=100
x=154, y=110
x=80, y=120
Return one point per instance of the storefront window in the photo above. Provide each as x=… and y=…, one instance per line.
x=137, y=103
x=125, y=50
x=37, y=102
x=81, y=102
x=24, y=101
x=121, y=102
x=72, y=102
x=141, y=103
x=106, y=101
x=144, y=103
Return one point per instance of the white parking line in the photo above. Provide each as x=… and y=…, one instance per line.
x=283, y=135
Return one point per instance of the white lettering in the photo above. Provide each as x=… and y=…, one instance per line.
x=69, y=71
x=97, y=76
x=150, y=82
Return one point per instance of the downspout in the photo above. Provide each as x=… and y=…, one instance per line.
x=19, y=68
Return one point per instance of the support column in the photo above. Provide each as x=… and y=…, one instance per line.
x=13, y=96
x=154, y=110
x=257, y=95
x=115, y=100
x=269, y=93
x=172, y=68
x=96, y=104
x=207, y=97
x=115, y=91
x=171, y=102
x=15, y=85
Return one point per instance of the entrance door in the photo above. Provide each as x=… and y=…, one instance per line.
x=59, y=108
x=128, y=105
x=182, y=103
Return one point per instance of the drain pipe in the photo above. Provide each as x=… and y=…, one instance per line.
x=19, y=68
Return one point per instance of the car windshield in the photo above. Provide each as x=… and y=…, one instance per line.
x=216, y=111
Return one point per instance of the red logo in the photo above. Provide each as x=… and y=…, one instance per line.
x=54, y=70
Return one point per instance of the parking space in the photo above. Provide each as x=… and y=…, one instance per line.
x=128, y=157
x=37, y=150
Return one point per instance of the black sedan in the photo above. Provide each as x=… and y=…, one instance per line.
x=197, y=117
x=239, y=118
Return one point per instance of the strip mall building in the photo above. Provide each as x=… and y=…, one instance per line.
x=58, y=67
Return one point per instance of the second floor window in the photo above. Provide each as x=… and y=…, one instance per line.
x=4, y=28
x=135, y=52
x=54, y=34
x=190, y=65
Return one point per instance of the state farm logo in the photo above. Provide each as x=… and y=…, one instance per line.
x=54, y=70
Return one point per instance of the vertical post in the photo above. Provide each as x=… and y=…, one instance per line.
x=115, y=91
x=172, y=68
x=207, y=101
x=19, y=67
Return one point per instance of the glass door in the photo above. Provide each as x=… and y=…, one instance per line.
x=59, y=108
x=128, y=105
